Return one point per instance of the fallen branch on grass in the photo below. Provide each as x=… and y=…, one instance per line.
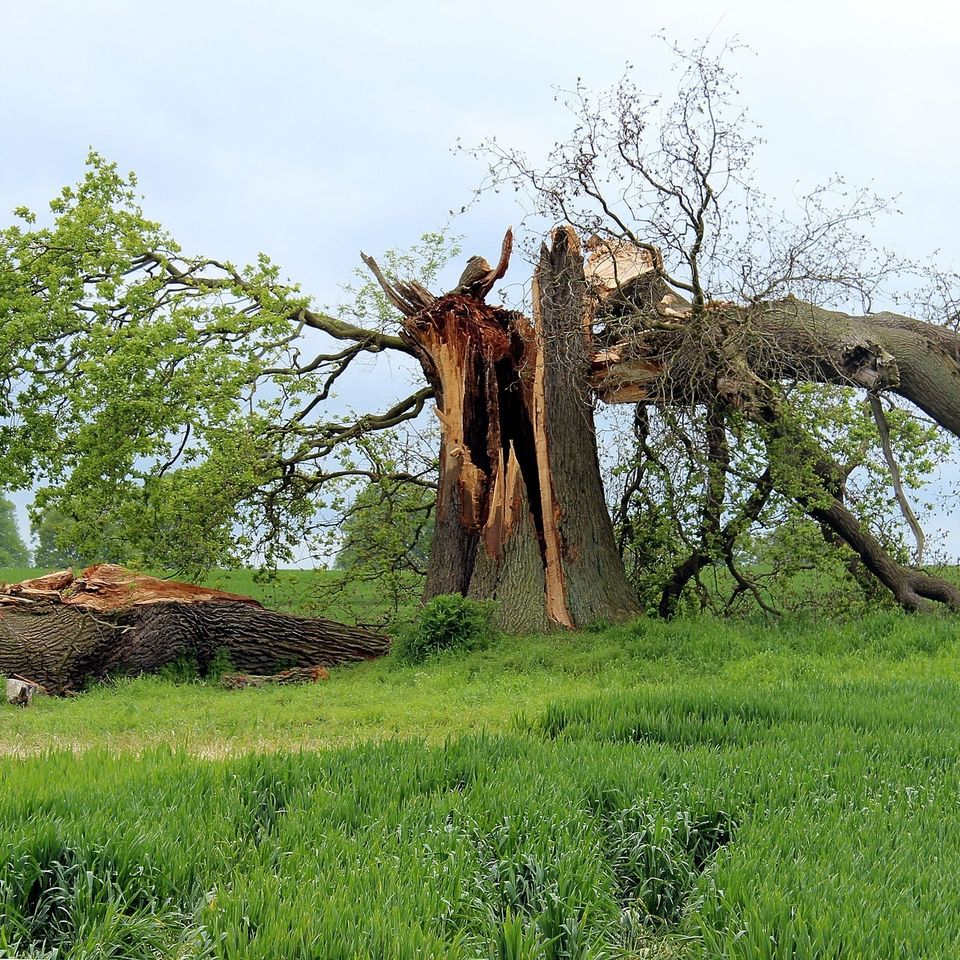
x=239, y=681
x=66, y=631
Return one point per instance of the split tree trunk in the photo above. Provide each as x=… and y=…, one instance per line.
x=659, y=350
x=63, y=632
x=521, y=515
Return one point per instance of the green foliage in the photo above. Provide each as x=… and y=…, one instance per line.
x=788, y=560
x=13, y=551
x=130, y=397
x=160, y=400
x=56, y=533
x=184, y=669
x=385, y=540
x=449, y=622
x=389, y=523
x=219, y=664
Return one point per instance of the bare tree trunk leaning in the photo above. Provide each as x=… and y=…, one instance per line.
x=63, y=632
x=790, y=340
x=661, y=350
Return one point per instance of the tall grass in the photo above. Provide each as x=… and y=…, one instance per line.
x=803, y=821
x=686, y=790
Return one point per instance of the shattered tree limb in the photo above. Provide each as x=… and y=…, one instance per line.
x=656, y=348
x=63, y=631
x=783, y=340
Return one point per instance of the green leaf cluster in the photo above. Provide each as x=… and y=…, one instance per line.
x=128, y=398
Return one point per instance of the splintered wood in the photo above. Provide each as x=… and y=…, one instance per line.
x=106, y=587
x=506, y=389
x=557, y=610
x=612, y=264
x=476, y=353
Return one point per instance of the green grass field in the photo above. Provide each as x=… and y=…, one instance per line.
x=694, y=789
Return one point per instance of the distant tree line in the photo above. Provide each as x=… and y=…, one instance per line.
x=13, y=551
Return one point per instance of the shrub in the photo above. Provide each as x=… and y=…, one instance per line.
x=220, y=663
x=448, y=622
x=184, y=669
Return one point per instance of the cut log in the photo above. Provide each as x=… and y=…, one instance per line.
x=66, y=631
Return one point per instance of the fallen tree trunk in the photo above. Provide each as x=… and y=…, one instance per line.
x=654, y=347
x=64, y=631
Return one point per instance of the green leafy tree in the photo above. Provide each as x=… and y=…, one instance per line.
x=13, y=551
x=161, y=399
x=708, y=523
x=389, y=526
x=55, y=534
x=52, y=535
x=382, y=511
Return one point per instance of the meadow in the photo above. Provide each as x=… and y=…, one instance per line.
x=694, y=789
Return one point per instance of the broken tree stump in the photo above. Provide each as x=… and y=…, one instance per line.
x=521, y=516
x=66, y=631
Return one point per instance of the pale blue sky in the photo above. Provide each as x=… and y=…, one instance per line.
x=313, y=130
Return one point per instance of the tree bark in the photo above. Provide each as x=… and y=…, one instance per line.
x=64, y=632
x=590, y=565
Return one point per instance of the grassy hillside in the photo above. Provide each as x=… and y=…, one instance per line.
x=693, y=789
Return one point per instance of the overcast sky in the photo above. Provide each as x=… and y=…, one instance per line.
x=310, y=131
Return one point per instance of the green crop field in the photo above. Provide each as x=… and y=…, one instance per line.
x=694, y=789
